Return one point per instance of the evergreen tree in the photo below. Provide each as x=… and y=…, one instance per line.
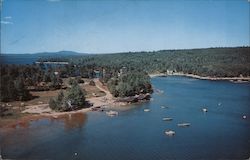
x=130, y=84
x=74, y=99
x=76, y=96
x=22, y=93
x=7, y=89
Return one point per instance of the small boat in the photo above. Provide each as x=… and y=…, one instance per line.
x=167, y=119
x=158, y=91
x=204, y=110
x=164, y=107
x=183, y=124
x=170, y=133
x=112, y=113
x=219, y=104
x=244, y=117
x=146, y=110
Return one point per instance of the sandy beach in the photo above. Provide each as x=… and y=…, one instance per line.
x=157, y=75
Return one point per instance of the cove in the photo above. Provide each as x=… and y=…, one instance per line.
x=220, y=133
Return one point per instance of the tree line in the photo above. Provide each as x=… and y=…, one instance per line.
x=18, y=80
x=215, y=62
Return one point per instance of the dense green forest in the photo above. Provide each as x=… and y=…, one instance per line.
x=217, y=62
x=130, y=84
x=18, y=80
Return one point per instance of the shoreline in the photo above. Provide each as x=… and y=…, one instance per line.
x=231, y=79
x=43, y=110
x=108, y=101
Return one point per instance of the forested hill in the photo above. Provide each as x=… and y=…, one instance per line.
x=27, y=58
x=219, y=62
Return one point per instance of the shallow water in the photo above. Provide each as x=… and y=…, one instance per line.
x=221, y=133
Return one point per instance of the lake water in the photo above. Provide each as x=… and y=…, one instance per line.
x=221, y=133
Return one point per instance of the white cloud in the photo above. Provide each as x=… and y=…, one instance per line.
x=6, y=22
x=8, y=17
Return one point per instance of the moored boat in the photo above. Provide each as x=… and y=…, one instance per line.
x=163, y=107
x=158, y=91
x=167, y=119
x=204, y=110
x=146, y=110
x=183, y=124
x=170, y=132
x=112, y=113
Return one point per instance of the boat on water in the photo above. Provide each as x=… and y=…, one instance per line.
x=112, y=113
x=244, y=117
x=183, y=124
x=204, y=110
x=167, y=119
x=170, y=132
x=164, y=107
x=158, y=91
x=146, y=110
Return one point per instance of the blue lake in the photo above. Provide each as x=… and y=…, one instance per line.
x=221, y=133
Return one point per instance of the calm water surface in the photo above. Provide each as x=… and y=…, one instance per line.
x=221, y=133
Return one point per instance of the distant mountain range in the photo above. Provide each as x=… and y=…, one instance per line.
x=29, y=58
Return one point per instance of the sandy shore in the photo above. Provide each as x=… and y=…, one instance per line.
x=157, y=75
x=35, y=112
x=109, y=100
x=45, y=110
x=234, y=79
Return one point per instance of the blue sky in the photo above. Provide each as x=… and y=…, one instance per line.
x=108, y=26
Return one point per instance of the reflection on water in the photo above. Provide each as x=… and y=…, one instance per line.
x=71, y=121
x=35, y=130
